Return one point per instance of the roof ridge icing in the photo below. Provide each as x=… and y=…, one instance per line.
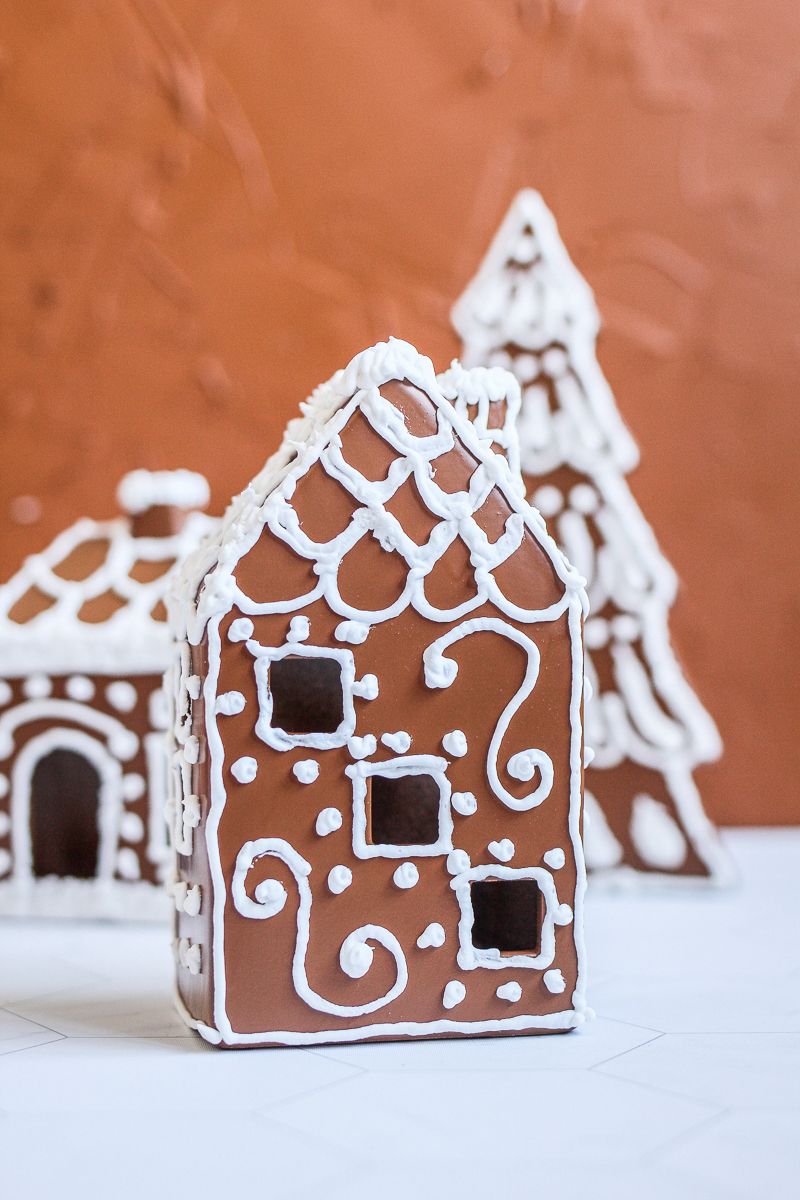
x=206, y=586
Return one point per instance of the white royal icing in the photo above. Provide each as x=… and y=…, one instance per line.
x=245, y=769
x=432, y=936
x=406, y=875
x=512, y=992
x=328, y=821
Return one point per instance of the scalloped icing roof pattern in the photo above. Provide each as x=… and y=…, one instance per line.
x=89, y=602
x=207, y=585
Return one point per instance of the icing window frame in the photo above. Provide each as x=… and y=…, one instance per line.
x=394, y=768
x=470, y=956
x=280, y=739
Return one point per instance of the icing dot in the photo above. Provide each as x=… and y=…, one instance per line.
x=36, y=687
x=354, y=632
x=191, y=749
x=128, y=863
x=555, y=858
x=191, y=901
x=454, y=993
x=625, y=628
x=503, y=851
x=124, y=744
x=5, y=862
x=432, y=935
x=526, y=367
x=355, y=956
x=554, y=981
x=3, y=787
x=240, y=630
x=299, y=629
x=271, y=895
x=554, y=361
x=5, y=820
x=406, y=875
x=362, y=747
x=657, y=838
x=5, y=692
x=464, y=803
x=583, y=498
x=596, y=632
x=548, y=500
x=79, y=687
x=244, y=770
x=366, y=688
x=562, y=915
x=328, y=821
x=455, y=743
x=306, y=771
x=121, y=695
x=131, y=826
x=400, y=742
x=158, y=709
x=229, y=704
x=509, y=991
x=132, y=786
x=458, y=861
x=339, y=879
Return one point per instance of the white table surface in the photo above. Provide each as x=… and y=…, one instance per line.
x=687, y=1084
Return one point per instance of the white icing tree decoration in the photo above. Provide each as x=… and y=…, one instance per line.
x=529, y=310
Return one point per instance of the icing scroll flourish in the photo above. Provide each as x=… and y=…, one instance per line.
x=440, y=672
x=356, y=954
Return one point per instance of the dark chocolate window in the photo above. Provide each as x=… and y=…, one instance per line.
x=403, y=810
x=307, y=694
x=507, y=915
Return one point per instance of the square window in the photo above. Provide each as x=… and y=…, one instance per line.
x=401, y=807
x=307, y=694
x=507, y=915
x=403, y=810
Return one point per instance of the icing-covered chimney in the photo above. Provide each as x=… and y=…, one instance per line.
x=158, y=502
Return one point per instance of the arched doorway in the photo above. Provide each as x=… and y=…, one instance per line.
x=66, y=802
x=64, y=826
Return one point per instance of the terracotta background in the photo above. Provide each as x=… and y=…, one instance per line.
x=207, y=208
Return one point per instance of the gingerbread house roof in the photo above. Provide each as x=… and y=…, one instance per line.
x=206, y=586
x=93, y=600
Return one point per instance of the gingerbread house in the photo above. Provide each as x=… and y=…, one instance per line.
x=378, y=751
x=83, y=646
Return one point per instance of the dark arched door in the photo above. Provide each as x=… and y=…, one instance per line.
x=65, y=835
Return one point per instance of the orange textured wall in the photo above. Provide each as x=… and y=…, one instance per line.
x=206, y=209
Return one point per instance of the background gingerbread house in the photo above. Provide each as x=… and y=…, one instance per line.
x=83, y=646
x=378, y=743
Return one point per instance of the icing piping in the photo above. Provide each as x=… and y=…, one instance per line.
x=301, y=870
x=440, y=672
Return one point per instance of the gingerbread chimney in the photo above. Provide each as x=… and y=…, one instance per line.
x=159, y=502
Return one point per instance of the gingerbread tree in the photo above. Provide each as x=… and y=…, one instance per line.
x=528, y=309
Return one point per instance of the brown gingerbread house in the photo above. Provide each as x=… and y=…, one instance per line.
x=83, y=646
x=378, y=740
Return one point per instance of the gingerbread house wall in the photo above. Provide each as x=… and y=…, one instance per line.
x=117, y=726
x=219, y=947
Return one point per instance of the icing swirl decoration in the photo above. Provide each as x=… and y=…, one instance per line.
x=440, y=672
x=356, y=954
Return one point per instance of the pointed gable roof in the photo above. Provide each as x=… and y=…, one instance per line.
x=527, y=290
x=207, y=585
